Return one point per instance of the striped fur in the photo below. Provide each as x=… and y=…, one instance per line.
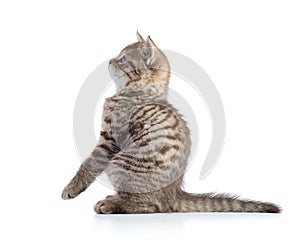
x=145, y=144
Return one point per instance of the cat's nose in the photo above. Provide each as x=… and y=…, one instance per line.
x=110, y=61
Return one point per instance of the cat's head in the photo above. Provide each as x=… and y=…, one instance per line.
x=139, y=64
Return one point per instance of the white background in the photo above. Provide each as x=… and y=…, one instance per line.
x=251, y=51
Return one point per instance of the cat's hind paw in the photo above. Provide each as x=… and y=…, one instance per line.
x=107, y=206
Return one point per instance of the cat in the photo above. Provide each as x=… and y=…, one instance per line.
x=145, y=144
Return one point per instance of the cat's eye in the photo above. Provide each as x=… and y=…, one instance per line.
x=122, y=59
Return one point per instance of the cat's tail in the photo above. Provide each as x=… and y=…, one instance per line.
x=221, y=203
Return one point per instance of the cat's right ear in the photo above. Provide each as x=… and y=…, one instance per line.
x=150, y=42
x=139, y=37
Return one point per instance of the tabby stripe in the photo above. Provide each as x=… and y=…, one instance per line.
x=107, y=120
x=131, y=64
x=224, y=205
x=143, y=144
x=140, y=137
x=152, y=139
x=134, y=129
x=143, y=168
x=132, y=75
x=170, y=137
x=154, y=115
x=140, y=124
x=144, y=113
x=135, y=164
x=106, y=136
x=161, y=111
x=127, y=74
x=152, y=160
x=128, y=168
x=133, y=67
x=144, y=160
x=167, y=148
x=167, y=127
x=105, y=147
x=163, y=128
x=130, y=81
x=140, y=109
x=157, y=163
x=162, y=120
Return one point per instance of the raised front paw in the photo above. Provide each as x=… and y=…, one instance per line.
x=71, y=191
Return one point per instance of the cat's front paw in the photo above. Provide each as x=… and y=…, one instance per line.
x=71, y=191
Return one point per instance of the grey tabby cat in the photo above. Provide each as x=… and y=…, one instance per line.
x=145, y=144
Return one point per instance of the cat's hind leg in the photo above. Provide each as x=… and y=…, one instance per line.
x=118, y=205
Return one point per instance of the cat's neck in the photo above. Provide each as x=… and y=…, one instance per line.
x=149, y=92
x=151, y=84
x=148, y=76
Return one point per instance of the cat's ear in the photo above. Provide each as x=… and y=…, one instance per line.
x=147, y=53
x=139, y=37
x=150, y=42
x=148, y=50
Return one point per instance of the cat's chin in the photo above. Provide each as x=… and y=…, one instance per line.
x=119, y=83
x=118, y=80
